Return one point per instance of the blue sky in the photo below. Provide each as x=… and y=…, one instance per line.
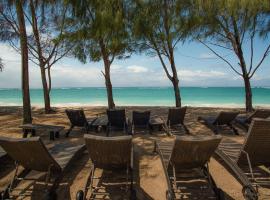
x=196, y=66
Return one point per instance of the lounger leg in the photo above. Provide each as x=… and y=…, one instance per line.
x=25, y=133
x=69, y=130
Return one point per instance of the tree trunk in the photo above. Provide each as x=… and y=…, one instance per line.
x=175, y=80
x=27, y=118
x=108, y=83
x=248, y=92
x=175, y=83
x=46, y=93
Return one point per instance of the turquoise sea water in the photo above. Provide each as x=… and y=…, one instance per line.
x=147, y=96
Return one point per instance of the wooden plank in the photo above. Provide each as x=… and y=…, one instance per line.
x=42, y=127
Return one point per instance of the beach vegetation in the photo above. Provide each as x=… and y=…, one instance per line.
x=13, y=26
x=230, y=28
x=100, y=32
x=157, y=31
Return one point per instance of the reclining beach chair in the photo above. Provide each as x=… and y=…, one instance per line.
x=223, y=118
x=175, y=120
x=77, y=118
x=117, y=120
x=140, y=120
x=185, y=161
x=245, y=161
x=246, y=120
x=31, y=154
x=110, y=154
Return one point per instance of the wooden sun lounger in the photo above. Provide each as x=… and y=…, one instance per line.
x=186, y=159
x=140, y=120
x=77, y=118
x=245, y=121
x=31, y=154
x=108, y=153
x=117, y=120
x=175, y=120
x=245, y=162
x=222, y=119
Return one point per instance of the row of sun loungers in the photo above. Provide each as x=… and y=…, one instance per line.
x=184, y=160
x=117, y=120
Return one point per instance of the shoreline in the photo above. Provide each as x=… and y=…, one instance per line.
x=78, y=105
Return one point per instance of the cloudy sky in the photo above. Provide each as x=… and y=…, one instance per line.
x=196, y=66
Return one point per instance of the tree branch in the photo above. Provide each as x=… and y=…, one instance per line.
x=220, y=57
x=261, y=61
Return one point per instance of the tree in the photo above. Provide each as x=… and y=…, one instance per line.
x=100, y=33
x=45, y=42
x=157, y=30
x=9, y=31
x=27, y=118
x=232, y=26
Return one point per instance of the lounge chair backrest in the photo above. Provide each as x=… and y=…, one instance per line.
x=176, y=116
x=76, y=117
x=191, y=152
x=140, y=118
x=31, y=153
x=225, y=118
x=116, y=118
x=109, y=152
x=263, y=114
x=257, y=144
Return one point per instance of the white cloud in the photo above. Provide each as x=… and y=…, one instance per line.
x=207, y=56
x=71, y=73
x=194, y=74
x=137, y=69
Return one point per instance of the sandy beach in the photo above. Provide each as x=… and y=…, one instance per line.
x=149, y=175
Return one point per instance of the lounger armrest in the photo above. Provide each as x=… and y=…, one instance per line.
x=234, y=168
x=158, y=150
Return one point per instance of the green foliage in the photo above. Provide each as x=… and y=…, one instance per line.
x=100, y=28
x=214, y=18
x=156, y=23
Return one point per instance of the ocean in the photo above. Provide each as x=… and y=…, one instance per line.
x=141, y=96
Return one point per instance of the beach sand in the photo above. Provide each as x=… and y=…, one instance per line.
x=149, y=176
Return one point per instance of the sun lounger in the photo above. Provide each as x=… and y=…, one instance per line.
x=175, y=120
x=77, y=118
x=186, y=159
x=117, y=120
x=108, y=153
x=140, y=120
x=223, y=118
x=31, y=154
x=246, y=120
x=245, y=161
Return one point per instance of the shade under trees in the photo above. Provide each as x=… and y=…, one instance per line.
x=232, y=26
x=100, y=32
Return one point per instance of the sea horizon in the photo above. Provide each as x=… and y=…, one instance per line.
x=139, y=96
